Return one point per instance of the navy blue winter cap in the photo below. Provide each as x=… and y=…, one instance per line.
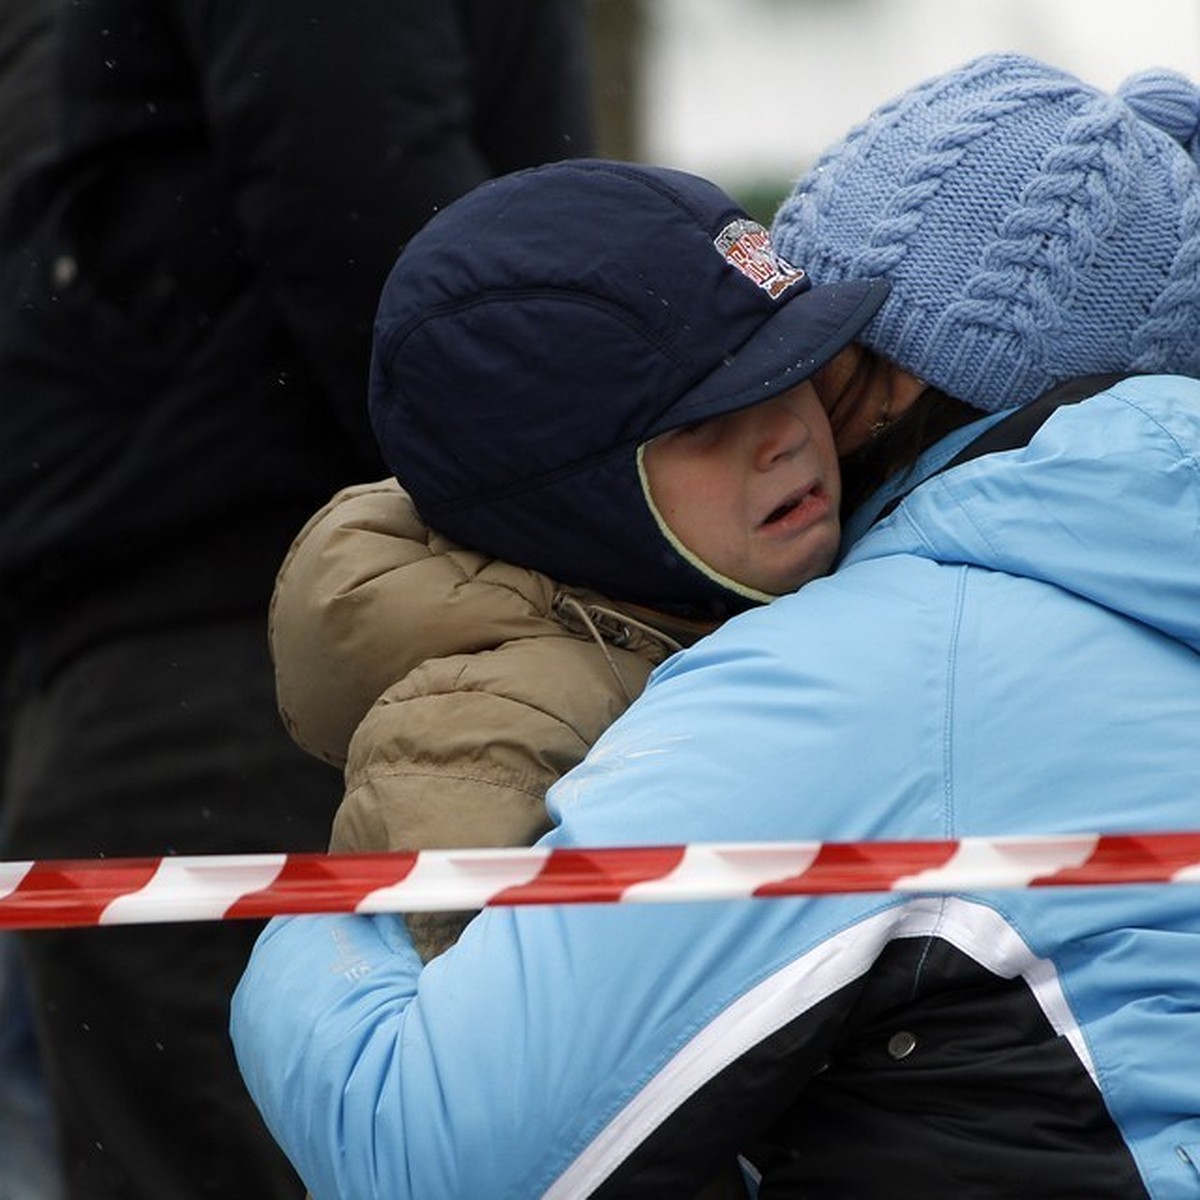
x=544, y=326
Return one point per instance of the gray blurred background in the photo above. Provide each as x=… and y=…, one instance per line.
x=748, y=91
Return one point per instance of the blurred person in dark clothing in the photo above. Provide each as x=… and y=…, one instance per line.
x=25, y=97
x=28, y=1155
x=189, y=288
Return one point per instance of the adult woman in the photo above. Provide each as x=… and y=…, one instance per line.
x=972, y=667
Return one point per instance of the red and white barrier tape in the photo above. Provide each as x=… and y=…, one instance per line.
x=46, y=894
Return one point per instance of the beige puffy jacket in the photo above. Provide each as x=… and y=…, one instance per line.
x=452, y=688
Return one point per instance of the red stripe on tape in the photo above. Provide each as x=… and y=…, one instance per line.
x=571, y=876
x=861, y=867
x=56, y=895
x=1130, y=858
x=313, y=883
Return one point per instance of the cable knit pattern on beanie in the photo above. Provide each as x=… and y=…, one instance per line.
x=1032, y=227
x=1170, y=102
x=1169, y=339
x=1001, y=344
x=824, y=188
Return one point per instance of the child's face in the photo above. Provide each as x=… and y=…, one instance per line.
x=754, y=494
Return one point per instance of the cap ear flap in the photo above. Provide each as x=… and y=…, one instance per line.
x=724, y=582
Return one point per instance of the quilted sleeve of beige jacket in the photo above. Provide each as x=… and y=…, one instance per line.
x=452, y=688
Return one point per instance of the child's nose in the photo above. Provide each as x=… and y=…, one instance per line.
x=779, y=432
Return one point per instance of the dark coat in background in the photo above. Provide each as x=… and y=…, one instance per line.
x=28, y=1150
x=182, y=376
x=188, y=292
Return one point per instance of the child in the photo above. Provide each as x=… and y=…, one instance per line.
x=600, y=371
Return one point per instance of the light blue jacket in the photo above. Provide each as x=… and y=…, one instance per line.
x=1013, y=651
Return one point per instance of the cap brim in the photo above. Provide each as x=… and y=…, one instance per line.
x=784, y=351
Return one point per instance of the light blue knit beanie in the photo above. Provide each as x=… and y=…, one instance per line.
x=1033, y=228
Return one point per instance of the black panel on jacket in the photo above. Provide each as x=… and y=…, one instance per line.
x=928, y=1078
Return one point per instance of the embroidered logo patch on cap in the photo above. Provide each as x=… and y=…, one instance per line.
x=746, y=245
